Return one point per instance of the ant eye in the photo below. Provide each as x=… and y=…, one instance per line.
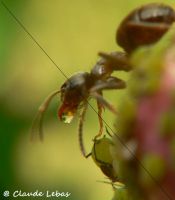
x=63, y=87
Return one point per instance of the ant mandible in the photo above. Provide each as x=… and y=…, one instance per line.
x=143, y=26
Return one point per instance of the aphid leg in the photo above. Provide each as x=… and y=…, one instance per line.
x=37, y=125
x=100, y=107
x=87, y=156
x=80, y=129
x=107, y=131
x=115, y=185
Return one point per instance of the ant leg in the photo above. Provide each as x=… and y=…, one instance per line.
x=98, y=135
x=116, y=60
x=110, y=83
x=104, y=102
x=38, y=120
x=80, y=130
x=100, y=107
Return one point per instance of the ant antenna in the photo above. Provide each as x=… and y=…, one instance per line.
x=37, y=125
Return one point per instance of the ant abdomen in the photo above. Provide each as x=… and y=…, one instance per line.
x=144, y=26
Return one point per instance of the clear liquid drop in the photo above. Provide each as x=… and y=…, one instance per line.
x=67, y=117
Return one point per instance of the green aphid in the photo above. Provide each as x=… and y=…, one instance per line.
x=101, y=155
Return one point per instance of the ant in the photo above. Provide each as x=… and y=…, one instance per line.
x=143, y=26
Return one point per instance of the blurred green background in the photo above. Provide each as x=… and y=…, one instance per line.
x=71, y=32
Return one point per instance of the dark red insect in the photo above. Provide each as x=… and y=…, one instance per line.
x=143, y=26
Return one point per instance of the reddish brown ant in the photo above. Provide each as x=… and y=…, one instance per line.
x=143, y=26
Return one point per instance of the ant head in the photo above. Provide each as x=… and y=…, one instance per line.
x=73, y=92
x=144, y=26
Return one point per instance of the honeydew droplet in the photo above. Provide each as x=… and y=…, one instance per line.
x=67, y=117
